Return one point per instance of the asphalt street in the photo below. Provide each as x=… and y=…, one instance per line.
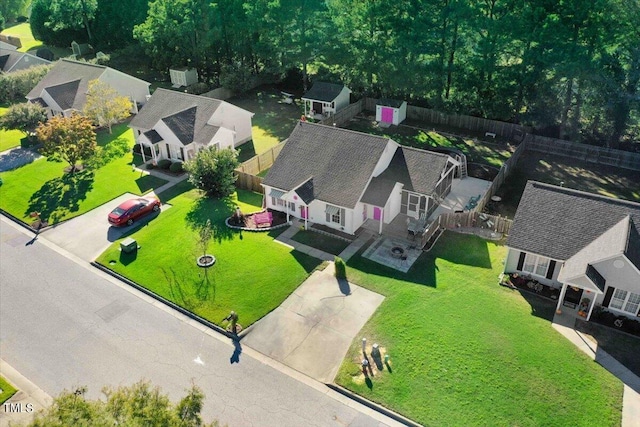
x=63, y=325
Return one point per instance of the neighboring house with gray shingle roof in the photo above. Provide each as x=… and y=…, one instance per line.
x=64, y=89
x=176, y=125
x=11, y=60
x=585, y=244
x=324, y=99
x=342, y=178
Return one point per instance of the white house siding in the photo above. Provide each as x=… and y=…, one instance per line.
x=357, y=215
x=224, y=138
x=234, y=118
x=343, y=99
x=385, y=159
x=625, y=277
x=53, y=106
x=126, y=85
x=394, y=203
x=511, y=266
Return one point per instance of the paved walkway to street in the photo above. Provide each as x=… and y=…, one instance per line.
x=564, y=323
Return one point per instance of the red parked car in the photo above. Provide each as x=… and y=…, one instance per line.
x=132, y=210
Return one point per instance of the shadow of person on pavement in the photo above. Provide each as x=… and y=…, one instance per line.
x=235, y=357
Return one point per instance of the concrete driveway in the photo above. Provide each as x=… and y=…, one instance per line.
x=88, y=235
x=313, y=328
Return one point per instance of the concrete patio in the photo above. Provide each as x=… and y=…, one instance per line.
x=461, y=191
x=380, y=251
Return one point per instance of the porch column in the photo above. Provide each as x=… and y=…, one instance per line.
x=561, y=297
x=144, y=160
x=593, y=303
x=306, y=217
x=381, y=220
x=305, y=107
x=286, y=207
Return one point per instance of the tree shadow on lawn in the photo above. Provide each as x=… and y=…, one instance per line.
x=249, y=198
x=540, y=307
x=61, y=195
x=307, y=262
x=216, y=210
x=188, y=290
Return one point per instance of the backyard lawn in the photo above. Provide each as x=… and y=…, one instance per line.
x=492, y=154
x=9, y=138
x=572, y=173
x=273, y=120
x=465, y=351
x=23, y=31
x=252, y=274
x=43, y=186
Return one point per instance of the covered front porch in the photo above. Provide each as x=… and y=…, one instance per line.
x=576, y=301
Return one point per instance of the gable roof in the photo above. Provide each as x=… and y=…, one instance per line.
x=386, y=102
x=322, y=91
x=418, y=170
x=340, y=161
x=64, y=94
x=63, y=72
x=185, y=114
x=12, y=60
x=558, y=222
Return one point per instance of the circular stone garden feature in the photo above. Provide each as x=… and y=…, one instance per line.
x=206, y=261
x=397, y=252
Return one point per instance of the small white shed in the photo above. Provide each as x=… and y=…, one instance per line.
x=391, y=111
x=183, y=76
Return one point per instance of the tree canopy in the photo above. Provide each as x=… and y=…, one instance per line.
x=71, y=139
x=213, y=171
x=105, y=106
x=24, y=117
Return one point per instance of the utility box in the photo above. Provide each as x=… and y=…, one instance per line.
x=128, y=245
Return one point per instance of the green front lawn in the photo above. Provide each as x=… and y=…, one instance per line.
x=9, y=138
x=44, y=187
x=320, y=241
x=7, y=390
x=23, y=31
x=252, y=274
x=465, y=351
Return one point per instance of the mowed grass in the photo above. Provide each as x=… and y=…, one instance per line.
x=252, y=275
x=467, y=352
x=7, y=390
x=320, y=241
x=43, y=186
x=477, y=151
x=273, y=120
x=23, y=31
x=9, y=138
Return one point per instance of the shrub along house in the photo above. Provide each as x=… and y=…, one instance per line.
x=586, y=245
x=64, y=89
x=324, y=99
x=341, y=178
x=175, y=125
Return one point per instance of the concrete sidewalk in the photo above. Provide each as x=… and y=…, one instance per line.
x=631, y=400
x=28, y=400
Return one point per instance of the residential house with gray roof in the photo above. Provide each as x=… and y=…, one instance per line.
x=11, y=60
x=584, y=244
x=341, y=178
x=64, y=89
x=176, y=125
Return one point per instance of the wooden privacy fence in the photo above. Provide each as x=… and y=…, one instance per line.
x=588, y=153
x=505, y=170
x=506, y=130
x=249, y=182
x=495, y=223
x=344, y=115
x=263, y=161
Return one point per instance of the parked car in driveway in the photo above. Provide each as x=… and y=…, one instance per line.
x=129, y=211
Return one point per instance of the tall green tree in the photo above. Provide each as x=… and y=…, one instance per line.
x=24, y=117
x=213, y=171
x=11, y=9
x=71, y=139
x=105, y=106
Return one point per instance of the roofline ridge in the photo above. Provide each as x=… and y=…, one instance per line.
x=435, y=153
x=585, y=193
x=348, y=131
x=104, y=67
x=190, y=95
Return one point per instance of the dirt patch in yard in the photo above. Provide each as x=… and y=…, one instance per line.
x=568, y=172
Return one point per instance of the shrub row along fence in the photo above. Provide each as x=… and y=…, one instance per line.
x=588, y=153
x=505, y=170
x=505, y=130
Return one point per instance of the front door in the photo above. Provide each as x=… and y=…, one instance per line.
x=572, y=297
x=377, y=213
x=413, y=205
x=317, y=108
x=303, y=212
